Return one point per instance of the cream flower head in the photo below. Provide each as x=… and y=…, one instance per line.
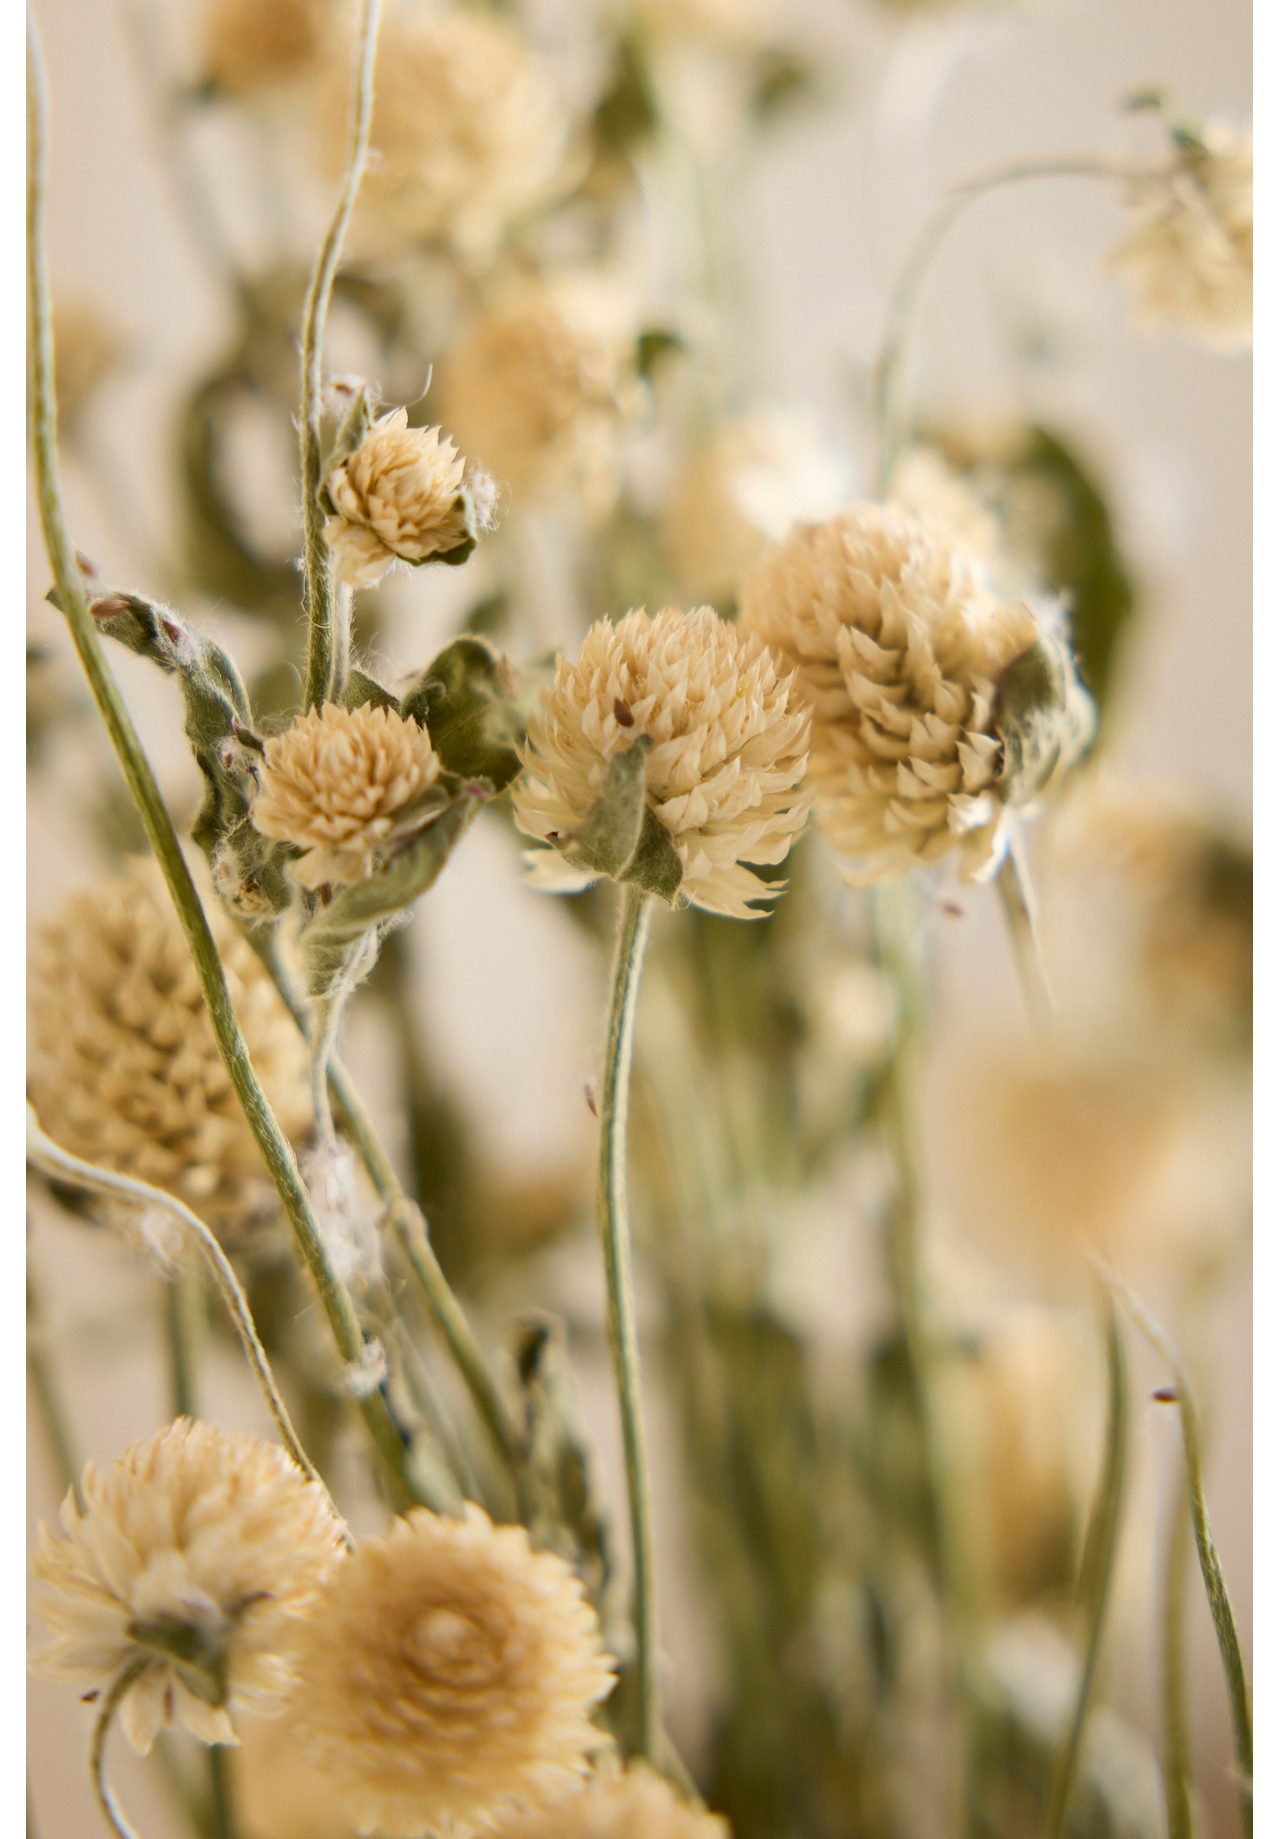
x=199, y=1551
x=634, y=1803
x=400, y=497
x=909, y=665
x=543, y=387
x=1188, y=254
x=340, y=785
x=249, y=46
x=468, y=133
x=124, y=1069
x=722, y=777
x=449, y=1673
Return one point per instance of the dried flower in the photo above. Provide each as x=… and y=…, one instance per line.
x=449, y=1673
x=925, y=484
x=934, y=703
x=634, y=1803
x=124, y=1069
x=341, y=785
x=249, y=46
x=200, y=1550
x=542, y=389
x=467, y=131
x=1188, y=254
x=752, y=483
x=402, y=496
x=722, y=778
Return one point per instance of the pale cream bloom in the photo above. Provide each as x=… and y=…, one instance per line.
x=900, y=650
x=399, y=497
x=1188, y=254
x=542, y=390
x=253, y=45
x=449, y=1673
x=925, y=484
x=723, y=25
x=199, y=1550
x=124, y=1068
x=634, y=1803
x=340, y=784
x=723, y=777
x=468, y=133
x=758, y=477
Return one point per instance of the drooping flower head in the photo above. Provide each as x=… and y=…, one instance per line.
x=726, y=743
x=1188, y=253
x=405, y=494
x=340, y=784
x=468, y=133
x=935, y=705
x=123, y=1066
x=449, y=1673
x=199, y=1552
x=632, y=1803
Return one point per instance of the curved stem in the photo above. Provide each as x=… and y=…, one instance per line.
x=1176, y=1756
x=327, y=609
x=163, y=838
x=1215, y=1583
x=1096, y=1567
x=57, y=1163
x=131, y=1671
x=889, y=386
x=615, y=1232
x=1017, y=898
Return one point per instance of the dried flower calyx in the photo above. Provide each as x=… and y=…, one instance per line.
x=671, y=754
x=631, y=1803
x=198, y=1553
x=401, y=494
x=449, y=1676
x=936, y=706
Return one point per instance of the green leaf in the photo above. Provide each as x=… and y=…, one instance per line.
x=466, y=699
x=361, y=689
x=622, y=837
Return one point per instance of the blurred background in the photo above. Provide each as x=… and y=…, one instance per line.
x=1135, y=1120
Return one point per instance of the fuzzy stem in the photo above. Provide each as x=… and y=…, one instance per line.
x=1215, y=1583
x=276, y=1150
x=1017, y=898
x=891, y=403
x=60, y=1165
x=1096, y=1567
x=322, y=1040
x=132, y=1670
x=1176, y=1733
x=410, y=1227
x=624, y=988
x=329, y=610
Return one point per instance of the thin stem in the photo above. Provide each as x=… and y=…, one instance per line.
x=57, y=1163
x=132, y=1670
x=1176, y=1732
x=221, y=1803
x=1017, y=898
x=276, y=1150
x=182, y=1297
x=890, y=387
x=615, y=1231
x=410, y=1226
x=322, y=1041
x=48, y=1397
x=1096, y=1567
x=328, y=612
x=1215, y=1583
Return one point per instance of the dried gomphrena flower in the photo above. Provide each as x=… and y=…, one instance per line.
x=198, y=1554
x=405, y=494
x=123, y=1065
x=727, y=743
x=449, y=1673
x=935, y=705
x=631, y=1803
x=339, y=784
x=1188, y=253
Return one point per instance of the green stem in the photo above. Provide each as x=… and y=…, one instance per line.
x=276, y=1150
x=48, y=1397
x=1096, y=1567
x=1017, y=898
x=1215, y=1583
x=221, y=1804
x=182, y=1295
x=328, y=610
x=107, y=1709
x=1177, y=1736
x=615, y=1231
x=890, y=396
x=322, y=1041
